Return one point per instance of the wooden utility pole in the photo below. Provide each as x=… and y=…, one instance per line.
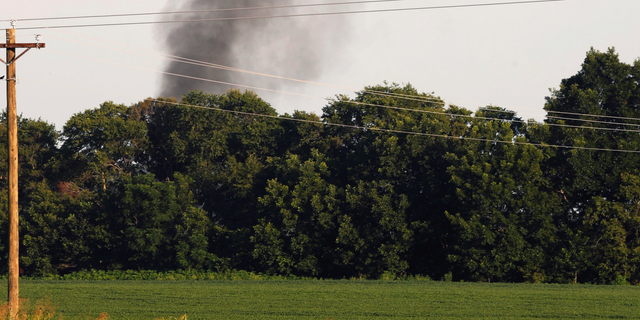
x=12, y=128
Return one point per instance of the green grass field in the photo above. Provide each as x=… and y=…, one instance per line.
x=334, y=299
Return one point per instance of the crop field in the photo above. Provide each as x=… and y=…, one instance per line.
x=327, y=299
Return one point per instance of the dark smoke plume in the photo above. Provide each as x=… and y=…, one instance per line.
x=300, y=48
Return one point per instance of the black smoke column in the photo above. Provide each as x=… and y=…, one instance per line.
x=291, y=47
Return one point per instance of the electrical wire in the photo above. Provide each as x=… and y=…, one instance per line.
x=578, y=114
x=204, y=11
x=369, y=128
x=222, y=67
x=294, y=15
x=211, y=65
x=180, y=75
x=205, y=64
x=593, y=115
x=391, y=94
x=311, y=96
x=401, y=96
x=217, y=66
x=486, y=118
x=596, y=121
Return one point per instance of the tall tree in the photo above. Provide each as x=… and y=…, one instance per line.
x=101, y=145
x=38, y=165
x=299, y=231
x=583, y=179
x=156, y=226
x=502, y=213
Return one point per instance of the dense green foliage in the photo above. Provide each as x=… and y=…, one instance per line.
x=172, y=275
x=164, y=186
x=334, y=299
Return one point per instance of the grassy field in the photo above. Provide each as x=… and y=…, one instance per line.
x=334, y=299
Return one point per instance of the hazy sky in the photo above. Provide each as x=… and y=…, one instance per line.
x=502, y=55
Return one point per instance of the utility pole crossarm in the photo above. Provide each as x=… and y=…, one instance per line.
x=14, y=46
x=21, y=45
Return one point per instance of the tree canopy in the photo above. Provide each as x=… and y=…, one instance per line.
x=219, y=182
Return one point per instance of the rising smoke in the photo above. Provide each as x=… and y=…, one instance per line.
x=301, y=47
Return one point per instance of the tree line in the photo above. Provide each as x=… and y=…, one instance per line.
x=205, y=184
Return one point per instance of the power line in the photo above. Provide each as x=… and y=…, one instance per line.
x=411, y=132
x=391, y=94
x=580, y=114
x=592, y=115
x=217, y=66
x=358, y=127
x=223, y=67
x=204, y=11
x=201, y=63
x=311, y=96
x=575, y=114
x=228, y=68
x=410, y=97
x=182, y=76
x=294, y=15
x=249, y=87
x=596, y=121
x=401, y=96
x=486, y=118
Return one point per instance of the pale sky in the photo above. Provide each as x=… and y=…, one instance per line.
x=501, y=55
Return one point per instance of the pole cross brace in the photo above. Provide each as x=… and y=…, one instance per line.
x=28, y=46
